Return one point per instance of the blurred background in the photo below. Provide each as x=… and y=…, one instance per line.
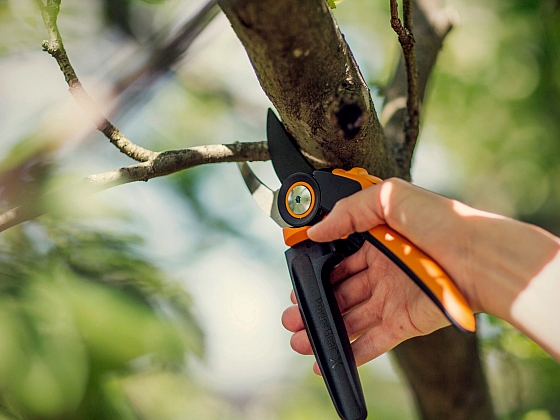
x=162, y=300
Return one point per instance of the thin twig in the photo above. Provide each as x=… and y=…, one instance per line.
x=152, y=164
x=406, y=39
x=164, y=163
x=55, y=47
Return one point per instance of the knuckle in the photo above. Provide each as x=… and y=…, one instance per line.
x=366, y=349
x=373, y=312
x=392, y=195
x=341, y=300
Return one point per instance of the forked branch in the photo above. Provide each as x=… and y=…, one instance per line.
x=152, y=164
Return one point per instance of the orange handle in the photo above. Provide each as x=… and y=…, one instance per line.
x=426, y=273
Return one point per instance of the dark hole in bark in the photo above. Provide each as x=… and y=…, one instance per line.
x=349, y=118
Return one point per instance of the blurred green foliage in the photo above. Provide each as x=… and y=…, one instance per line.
x=90, y=328
x=495, y=104
x=385, y=399
x=80, y=313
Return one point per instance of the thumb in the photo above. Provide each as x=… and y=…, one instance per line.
x=357, y=213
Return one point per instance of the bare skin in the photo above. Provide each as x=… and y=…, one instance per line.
x=503, y=267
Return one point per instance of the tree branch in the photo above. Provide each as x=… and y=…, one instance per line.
x=55, y=47
x=164, y=163
x=153, y=164
x=432, y=25
x=407, y=41
x=306, y=68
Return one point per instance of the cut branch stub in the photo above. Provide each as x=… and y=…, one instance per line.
x=307, y=70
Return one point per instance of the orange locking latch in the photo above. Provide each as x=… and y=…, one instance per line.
x=293, y=236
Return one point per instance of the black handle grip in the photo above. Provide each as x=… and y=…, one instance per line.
x=310, y=264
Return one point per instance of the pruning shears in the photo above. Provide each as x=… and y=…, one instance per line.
x=305, y=197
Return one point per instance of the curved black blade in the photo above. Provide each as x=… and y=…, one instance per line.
x=284, y=151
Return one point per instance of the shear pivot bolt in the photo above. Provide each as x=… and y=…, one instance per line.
x=299, y=200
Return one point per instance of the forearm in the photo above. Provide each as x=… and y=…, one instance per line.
x=504, y=267
x=515, y=273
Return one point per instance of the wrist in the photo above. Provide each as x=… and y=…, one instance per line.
x=501, y=258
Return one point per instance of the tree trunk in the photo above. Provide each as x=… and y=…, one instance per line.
x=446, y=376
x=306, y=68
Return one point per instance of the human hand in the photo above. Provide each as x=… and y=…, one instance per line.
x=381, y=307
x=501, y=266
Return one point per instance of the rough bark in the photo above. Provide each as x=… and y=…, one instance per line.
x=308, y=72
x=446, y=376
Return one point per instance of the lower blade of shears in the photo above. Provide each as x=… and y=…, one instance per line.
x=266, y=198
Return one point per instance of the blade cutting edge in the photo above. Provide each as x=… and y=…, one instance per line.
x=266, y=198
x=284, y=152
